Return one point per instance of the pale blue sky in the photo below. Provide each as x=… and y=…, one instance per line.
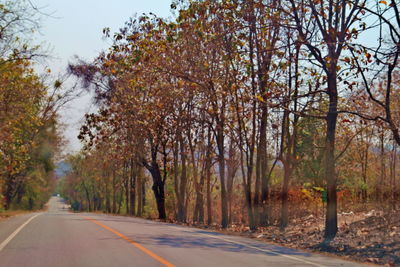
x=76, y=25
x=75, y=28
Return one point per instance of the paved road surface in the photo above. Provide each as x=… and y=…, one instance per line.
x=59, y=238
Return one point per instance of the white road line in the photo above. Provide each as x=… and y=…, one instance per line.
x=5, y=242
x=260, y=249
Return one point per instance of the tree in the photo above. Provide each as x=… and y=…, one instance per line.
x=326, y=38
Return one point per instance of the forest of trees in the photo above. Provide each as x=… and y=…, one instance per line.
x=240, y=111
x=29, y=137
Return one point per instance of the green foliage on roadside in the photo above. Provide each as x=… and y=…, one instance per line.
x=28, y=124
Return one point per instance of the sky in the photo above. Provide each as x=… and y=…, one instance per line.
x=74, y=28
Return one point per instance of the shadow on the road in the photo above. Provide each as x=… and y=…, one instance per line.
x=205, y=242
x=195, y=238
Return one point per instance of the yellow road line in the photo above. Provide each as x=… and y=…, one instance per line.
x=137, y=245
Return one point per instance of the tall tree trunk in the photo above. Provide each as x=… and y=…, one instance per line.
x=209, y=200
x=231, y=169
x=364, y=173
x=134, y=170
x=394, y=165
x=285, y=157
x=221, y=162
x=379, y=185
x=126, y=178
x=198, y=213
x=199, y=174
x=88, y=199
x=181, y=193
x=143, y=195
x=8, y=192
x=108, y=202
x=291, y=139
x=264, y=218
x=158, y=188
x=330, y=174
x=120, y=200
x=285, y=190
x=114, y=193
x=127, y=196
x=257, y=203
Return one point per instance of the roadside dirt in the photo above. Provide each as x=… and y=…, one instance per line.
x=7, y=214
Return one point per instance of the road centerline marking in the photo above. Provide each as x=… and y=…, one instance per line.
x=5, y=242
x=137, y=245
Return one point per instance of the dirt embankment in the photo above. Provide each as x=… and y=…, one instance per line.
x=371, y=237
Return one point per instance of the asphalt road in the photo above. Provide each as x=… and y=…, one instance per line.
x=60, y=238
